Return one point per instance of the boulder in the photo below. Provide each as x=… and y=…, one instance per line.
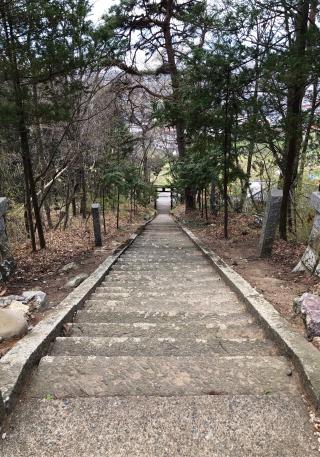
x=19, y=307
x=12, y=324
x=76, y=280
x=36, y=298
x=308, y=305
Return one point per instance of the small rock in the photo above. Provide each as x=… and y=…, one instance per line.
x=5, y=301
x=289, y=372
x=296, y=306
x=76, y=280
x=38, y=298
x=12, y=324
x=69, y=266
x=4, y=435
x=316, y=341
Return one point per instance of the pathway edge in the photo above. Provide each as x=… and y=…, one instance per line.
x=305, y=357
x=16, y=365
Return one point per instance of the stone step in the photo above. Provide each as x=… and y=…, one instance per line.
x=218, y=307
x=147, y=249
x=132, y=315
x=154, y=243
x=107, y=294
x=167, y=273
x=211, y=426
x=137, y=260
x=97, y=376
x=164, y=267
x=241, y=327
x=111, y=280
x=163, y=252
x=160, y=346
x=222, y=293
x=182, y=264
x=162, y=237
x=125, y=287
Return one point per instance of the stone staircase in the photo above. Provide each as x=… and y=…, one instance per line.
x=163, y=360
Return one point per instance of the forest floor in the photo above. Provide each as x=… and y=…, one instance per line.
x=42, y=270
x=273, y=277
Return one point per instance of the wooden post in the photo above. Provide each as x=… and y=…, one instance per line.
x=96, y=224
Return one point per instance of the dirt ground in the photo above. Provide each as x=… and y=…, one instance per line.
x=273, y=277
x=42, y=270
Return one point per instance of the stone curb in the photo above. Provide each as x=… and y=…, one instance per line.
x=305, y=357
x=18, y=362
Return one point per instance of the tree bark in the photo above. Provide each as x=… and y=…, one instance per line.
x=296, y=92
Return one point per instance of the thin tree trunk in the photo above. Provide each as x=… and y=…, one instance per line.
x=118, y=207
x=226, y=154
x=205, y=203
x=104, y=211
x=66, y=217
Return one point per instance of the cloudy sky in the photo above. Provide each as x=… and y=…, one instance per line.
x=99, y=7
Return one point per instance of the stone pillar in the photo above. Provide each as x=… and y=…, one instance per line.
x=270, y=222
x=310, y=261
x=7, y=263
x=96, y=224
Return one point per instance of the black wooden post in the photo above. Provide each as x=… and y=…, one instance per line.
x=171, y=198
x=96, y=224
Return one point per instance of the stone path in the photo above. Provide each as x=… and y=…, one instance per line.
x=163, y=360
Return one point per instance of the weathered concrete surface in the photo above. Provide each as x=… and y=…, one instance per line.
x=207, y=426
x=94, y=376
x=241, y=327
x=153, y=346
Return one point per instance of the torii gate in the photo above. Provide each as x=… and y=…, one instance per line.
x=161, y=189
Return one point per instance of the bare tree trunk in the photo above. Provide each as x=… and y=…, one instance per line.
x=118, y=207
x=83, y=202
x=205, y=203
x=226, y=154
x=179, y=124
x=104, y=211
x=67, y=205
x=296, y=93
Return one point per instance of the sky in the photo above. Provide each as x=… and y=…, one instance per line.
x=99, y=7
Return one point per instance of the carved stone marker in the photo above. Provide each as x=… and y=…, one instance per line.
x=270, y=222
x=310, y=261
x=96, y=224
x=7, y=263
